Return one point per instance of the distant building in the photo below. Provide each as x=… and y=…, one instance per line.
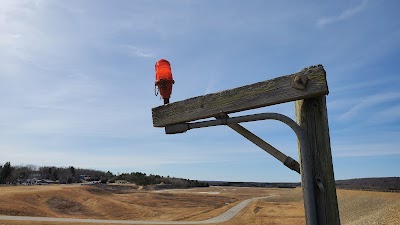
x=84, y=177
x=35, y=176
x=121, y=182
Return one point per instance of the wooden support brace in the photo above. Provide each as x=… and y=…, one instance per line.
x=309, y=82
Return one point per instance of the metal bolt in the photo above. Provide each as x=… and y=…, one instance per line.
x=299, y=82
x=297, y=79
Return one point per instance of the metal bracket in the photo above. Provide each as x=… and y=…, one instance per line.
x=292, y=164
x=233, y=123
x=223, y=117
x=177, y=128
x=286, y=160
x=308, y=181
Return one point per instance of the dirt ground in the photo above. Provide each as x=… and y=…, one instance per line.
x=285, y=206
x=369, y=207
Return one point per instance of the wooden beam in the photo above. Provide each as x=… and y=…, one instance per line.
x=309, y=82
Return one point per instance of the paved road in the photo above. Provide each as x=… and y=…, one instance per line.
x=229, y=214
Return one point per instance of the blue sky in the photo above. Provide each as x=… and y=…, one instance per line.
x=77, y=83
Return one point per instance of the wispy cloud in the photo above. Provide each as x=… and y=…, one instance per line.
x=370, y=149
x=386, y=115
x=347, y=14
x=210, y=88
x=385, y=80
x=138, y=52
x=367, y=102
x=132, y=155
x=76, y=82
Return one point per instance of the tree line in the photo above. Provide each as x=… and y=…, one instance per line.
x=66, y=175
x=143, y=179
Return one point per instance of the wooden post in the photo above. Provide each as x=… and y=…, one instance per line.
x=311, y=115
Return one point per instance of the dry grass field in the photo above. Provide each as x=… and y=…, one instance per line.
x=284, y=206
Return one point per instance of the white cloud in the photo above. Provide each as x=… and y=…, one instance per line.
x=370, y=149
x=367, y=102
x=28, y=38
x=386, y=115
x=347, y=14
x=138, y=51
x=363, y=85
x=77, y=78
x=137, y=155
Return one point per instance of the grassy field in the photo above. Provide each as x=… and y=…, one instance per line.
x=132, y=203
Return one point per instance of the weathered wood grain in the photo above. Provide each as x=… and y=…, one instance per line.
x=312, y=116
x=266, y=93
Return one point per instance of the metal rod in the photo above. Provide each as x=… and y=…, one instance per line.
x=259, y=142
x=307, y=176
x=286, y=160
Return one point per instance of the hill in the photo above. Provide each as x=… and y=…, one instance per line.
x=373, y=184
